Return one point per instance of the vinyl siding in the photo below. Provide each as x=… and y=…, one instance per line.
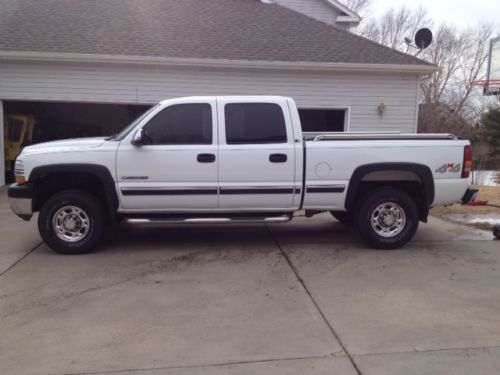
x=318, y=9
x=360, y=92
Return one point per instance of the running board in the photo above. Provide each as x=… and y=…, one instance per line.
x=208, y=220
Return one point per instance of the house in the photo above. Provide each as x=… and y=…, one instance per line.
x=85, y=67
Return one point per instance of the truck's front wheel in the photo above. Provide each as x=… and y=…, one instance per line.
x=387, y=218
x=71, y=222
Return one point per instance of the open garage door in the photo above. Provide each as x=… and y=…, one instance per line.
x=34, y=122
x=324, y=119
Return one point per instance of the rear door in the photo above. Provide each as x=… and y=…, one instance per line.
x=256, y=155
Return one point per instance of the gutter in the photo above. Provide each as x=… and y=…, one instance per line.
x=212, y=63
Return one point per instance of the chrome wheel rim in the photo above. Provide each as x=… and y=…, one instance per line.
x=388, y=219
x=71, y=224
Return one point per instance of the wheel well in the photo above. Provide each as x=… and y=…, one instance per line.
x=407, y=181
x=51, y=183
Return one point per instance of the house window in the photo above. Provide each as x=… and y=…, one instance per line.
x=323, y=120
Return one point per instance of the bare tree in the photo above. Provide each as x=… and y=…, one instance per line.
x=461, y=56
x=450, y=101
x=473, y=68
x=446, y=52
x=393, y=26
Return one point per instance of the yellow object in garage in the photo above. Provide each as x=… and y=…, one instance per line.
x=18, y=132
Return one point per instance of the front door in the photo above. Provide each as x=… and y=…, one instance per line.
x=175, y=169
x=256, y=155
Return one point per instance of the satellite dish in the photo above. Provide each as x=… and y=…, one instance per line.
x=423, y=38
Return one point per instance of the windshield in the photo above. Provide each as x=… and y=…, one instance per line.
x=119, y=136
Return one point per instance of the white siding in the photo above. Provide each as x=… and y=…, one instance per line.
x=318, y=9
x=361, y=92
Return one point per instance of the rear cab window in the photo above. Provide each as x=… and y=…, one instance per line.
x=254, y=123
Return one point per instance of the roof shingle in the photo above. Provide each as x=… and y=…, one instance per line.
x=211, y=29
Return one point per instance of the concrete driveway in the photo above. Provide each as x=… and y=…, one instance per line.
x=298, y=298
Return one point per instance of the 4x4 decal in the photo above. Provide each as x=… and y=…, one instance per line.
x=449, y=167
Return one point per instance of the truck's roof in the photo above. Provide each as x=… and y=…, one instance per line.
x=264, y=98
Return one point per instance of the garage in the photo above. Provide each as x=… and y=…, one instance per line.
x=324, y=119
x=27, y=122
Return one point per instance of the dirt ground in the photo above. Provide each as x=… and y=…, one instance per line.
x=486, y=193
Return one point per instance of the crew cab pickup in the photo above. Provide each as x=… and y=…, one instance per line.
x=236, y=159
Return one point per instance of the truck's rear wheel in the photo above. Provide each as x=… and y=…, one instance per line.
x=71, y=222
x=387, y=218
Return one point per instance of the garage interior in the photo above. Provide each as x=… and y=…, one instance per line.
x=323, y=120
x=56, y=120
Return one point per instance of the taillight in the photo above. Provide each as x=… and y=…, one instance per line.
x=467, y=162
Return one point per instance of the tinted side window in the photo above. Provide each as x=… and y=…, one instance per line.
x=181, y=124
x=254, y=123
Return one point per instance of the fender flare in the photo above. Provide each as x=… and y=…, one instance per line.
x=99, y=171
x=422, y=171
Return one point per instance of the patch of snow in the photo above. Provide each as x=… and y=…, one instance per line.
x=485, y=178
x=491, y=219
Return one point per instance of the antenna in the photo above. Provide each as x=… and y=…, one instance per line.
x=423, y=39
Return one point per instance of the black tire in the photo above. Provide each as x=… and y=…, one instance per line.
x=496, y=231
x=93, y=215
x=369, y=205
x=343, y=216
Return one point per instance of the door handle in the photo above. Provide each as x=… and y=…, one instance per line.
x=205, y=158
x=278, y=158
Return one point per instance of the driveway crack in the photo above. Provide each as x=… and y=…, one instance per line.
x=21, y=258
x=420, y=351
x=200, y=366
x=316, y=305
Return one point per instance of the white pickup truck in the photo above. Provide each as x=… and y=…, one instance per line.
x=236, y=159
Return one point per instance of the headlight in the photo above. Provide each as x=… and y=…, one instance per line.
x=19, y=172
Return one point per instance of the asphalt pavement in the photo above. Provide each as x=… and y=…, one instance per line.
x=299, y=298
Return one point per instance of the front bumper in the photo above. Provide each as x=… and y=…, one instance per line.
x=21, y=200
x=469, y=196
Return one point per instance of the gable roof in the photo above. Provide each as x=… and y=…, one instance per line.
x=225, y=30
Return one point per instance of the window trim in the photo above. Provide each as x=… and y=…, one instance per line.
x=346, y=108
x=283, y=114
x=213, y=137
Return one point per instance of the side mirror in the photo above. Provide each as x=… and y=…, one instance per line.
x=138, y=139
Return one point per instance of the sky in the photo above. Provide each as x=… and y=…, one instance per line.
x=459, y=12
